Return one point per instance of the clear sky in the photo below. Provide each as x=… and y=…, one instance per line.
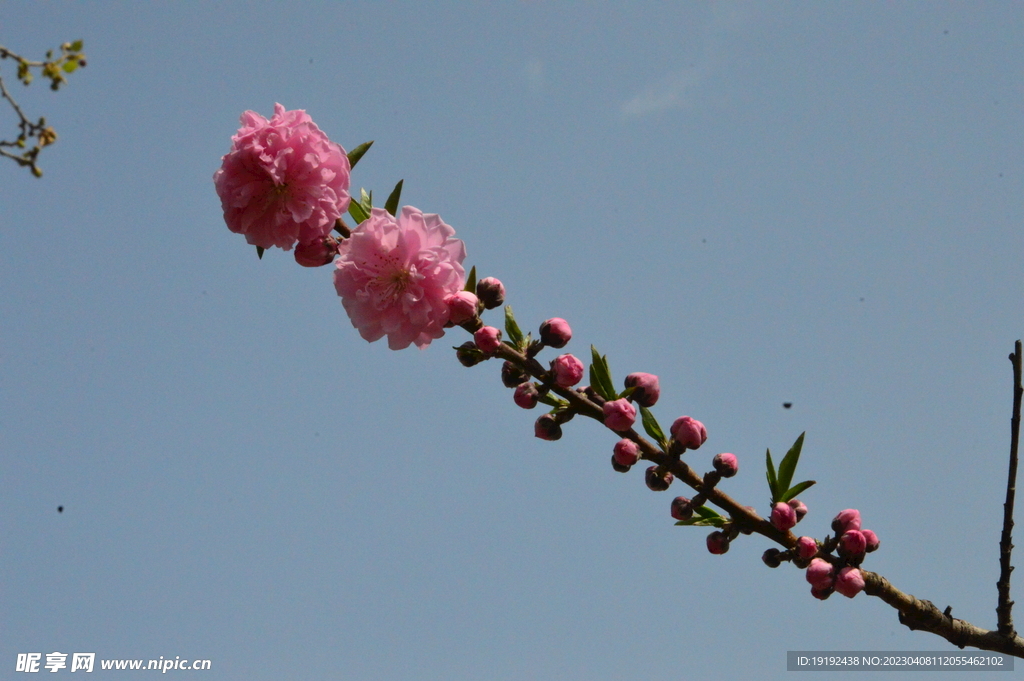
x=816, y=203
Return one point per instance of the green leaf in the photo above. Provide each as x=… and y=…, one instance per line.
x=471, y=281
x=357, y=153
x=652, y=428
x=76, y=46
x=512, y=329
x=357, y=212
x=788, y=466
x=797, y=489
x=259, y=252
x=551, y=401
x=705, y=512
x=70, y=65
x=391, y=205
x=773, y=482
x=365, y=200
x=600, y=375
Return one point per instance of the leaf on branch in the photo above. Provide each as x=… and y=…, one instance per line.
x=357, y=153
x=470, y=280
x=706, y=517
x=391, y=205
x=797, y=489
x=552, y=401
x=652, y=428
x=357, y=213
x=788, y=466
x=601, y=376
x=512, y=330
x=773, y=482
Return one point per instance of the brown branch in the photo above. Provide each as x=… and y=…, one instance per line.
x=1005, y=606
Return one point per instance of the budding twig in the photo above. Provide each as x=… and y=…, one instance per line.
x=1003, y=609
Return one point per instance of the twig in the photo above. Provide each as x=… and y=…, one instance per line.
x=1003, y=610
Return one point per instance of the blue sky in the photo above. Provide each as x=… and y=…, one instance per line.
x=816, y=203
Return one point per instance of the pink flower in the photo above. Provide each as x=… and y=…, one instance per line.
x=783, y=516
x=568, y=370
x=718, y=542
x=393, y=276
x=626, y=452
x=461, y=306
x=526, y=395
x=849, y=582
x=283, y=180
x=819, y=573
x=488, y=339
x=806, y=547
x=853, y=544
x=491, y=291
x=846, y=520
x=688, y=432
x=872, y=540
x=648, y=389
x=555, y=332
x=726, y=464
x=317, y=253
x=619, y=414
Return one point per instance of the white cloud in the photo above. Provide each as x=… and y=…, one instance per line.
x=668, y=93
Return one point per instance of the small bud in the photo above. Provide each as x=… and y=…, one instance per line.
x=469, y=354
x=491, y=292
x=682, y=508
x=726, y=464
x=526, y=395
x=626, y=452
x=547, y=428
x=618, y=466
x=462, y=307
x=806, y=547
x=783, y=516
x=567, y=370
x=849, y=581
x=488, y=339
x=846, y=520
x=819, y=573
x=619, y=415
x=511, y=375
x=718, y=542
x=317, y=253
x=555, y=332
x=872, y=540
x=690, y=433
x=658, y=482
x=853, y=544
x=800, y=508
x=821, y=592
x=771, y=558
x=648, y=390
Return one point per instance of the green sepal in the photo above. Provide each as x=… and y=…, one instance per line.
x=797, y=489
x=471, y=281
x=652, y=428
x=391, y=205
x=555, y=402
x=600, y=376
x=515, y=334
x=773, y=482
x=788, y=465
x=259, y=252
x=357, y=153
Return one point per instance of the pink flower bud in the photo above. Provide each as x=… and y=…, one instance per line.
x=555, y=332
x=783, y=516
x=726, y=464
x=822, y=592
x=317, y=253
x=626, y=452
x=806, y=547
x=526, y=395
x=853, y=544
x=690, y=433
x=849, y=582
x=682, y=508
x=619, y=414
x=718, y=542
x=800, y=508
x=461, y=306
x=658, y=482
x=547, y=428
x=648, y=390
x=819, y=573
x=568, y=370
x=491, y=292
x=488, y=339
x=846, y=520
x=872, y=540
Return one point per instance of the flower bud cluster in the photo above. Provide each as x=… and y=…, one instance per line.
x=827, y=574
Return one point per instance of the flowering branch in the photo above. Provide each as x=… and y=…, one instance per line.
x=71, y=57
x=399, y=274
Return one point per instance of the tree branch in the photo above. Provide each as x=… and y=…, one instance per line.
x=1003, y=609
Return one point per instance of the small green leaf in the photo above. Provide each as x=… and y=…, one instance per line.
x=357, y=153
x=391, y=205
x=259, y=252
x=70, y=65
x=788, y=466
x=365, y=200
x=357, y=212
x=76, y=46
x=471, y=281
x=512, y=329
x=773, y=482
x=652, y=428
x=551, y=401
x=600, y=376
x=797, y=489
x=705, y=512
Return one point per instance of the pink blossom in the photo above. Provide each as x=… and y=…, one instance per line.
x=872, y=540
x=393, y=276
x=853, y=544
x=783, y=516
x=317, y=253
x=568, y=370
x=647, y=388
x=806, y=547
x=626, y=452
x=846, y=520
x=726, y=464
x=688, y=432
x=491, y=292
x=555, y=332
x=526, y=395
x=283, y=180
x=619, y=414
x=819, y=573
x=488, y=339
x=718, y=542
x=849, y=581
x=461, y=306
